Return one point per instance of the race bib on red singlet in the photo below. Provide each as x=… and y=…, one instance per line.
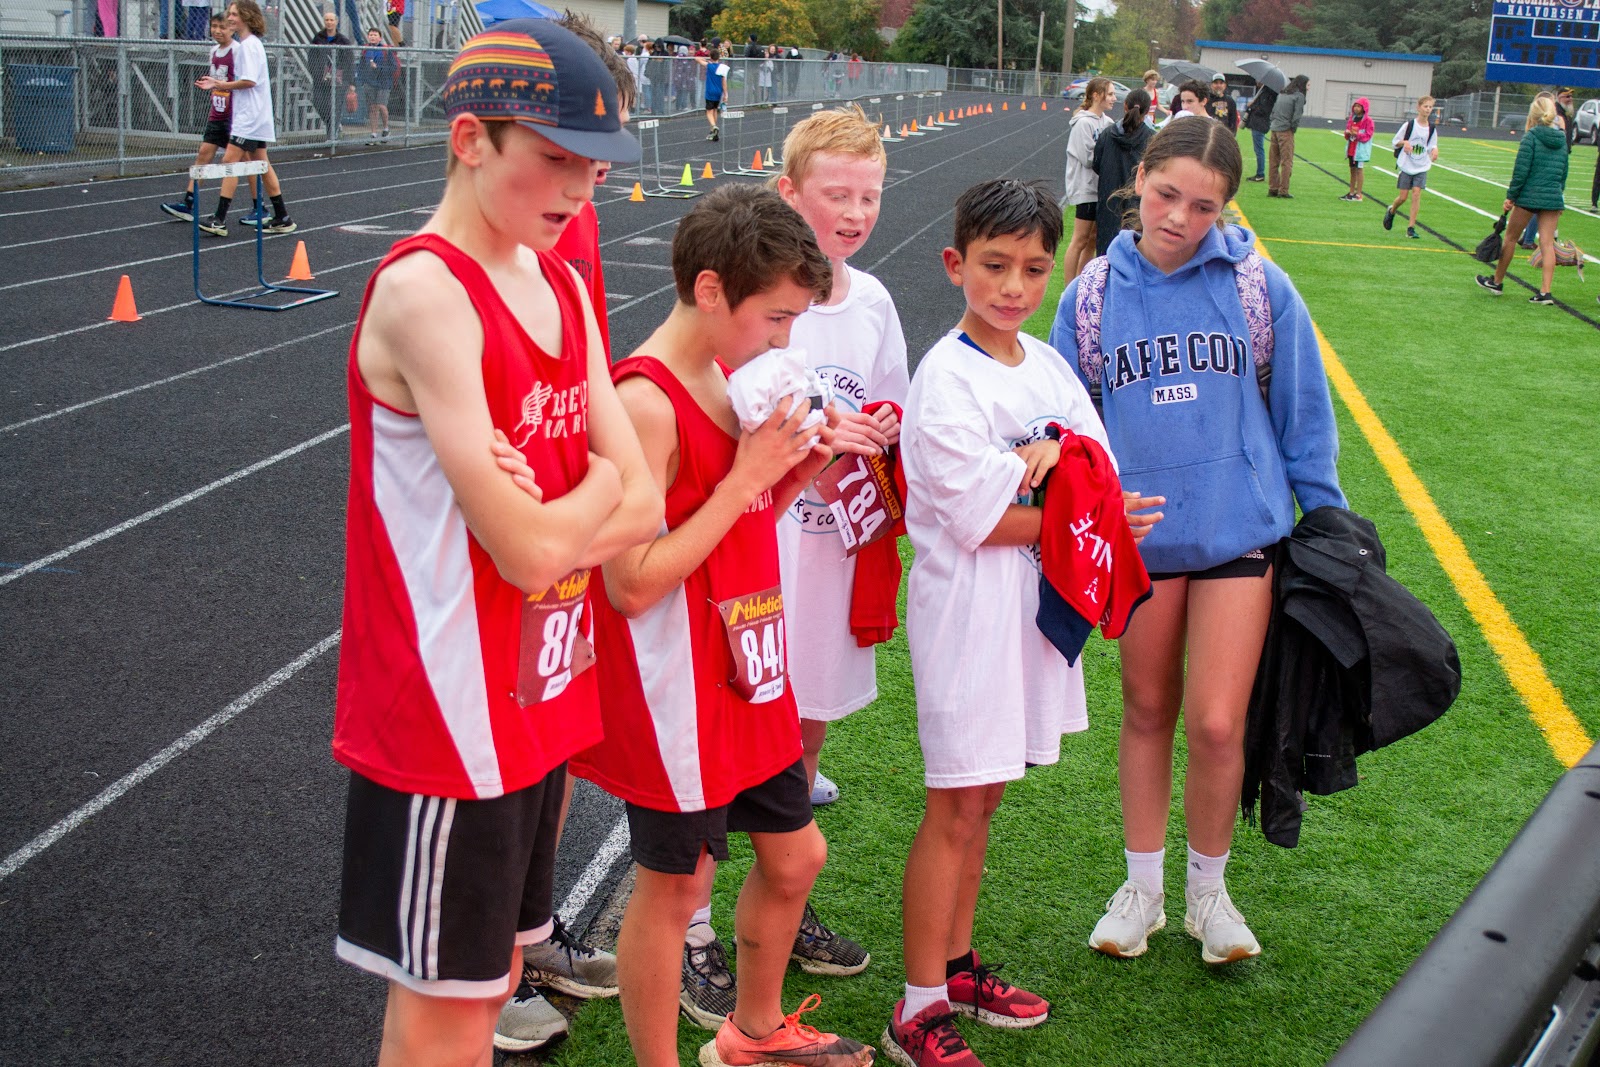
x=754, y=625
x=555, y=641
x=860, y=492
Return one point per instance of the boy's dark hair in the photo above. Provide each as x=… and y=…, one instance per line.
x=1008, y=207
x=752, y=240
x=1201, y=91
x=627, y=91
x=216, y=18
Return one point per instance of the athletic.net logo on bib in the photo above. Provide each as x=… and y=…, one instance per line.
x=754, y=625
x=555, y=646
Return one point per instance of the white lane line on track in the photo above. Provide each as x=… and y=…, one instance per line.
x=106, y=797
x=615, y=844
x=56, y=414
x=182, y=173
x=1575, y=208
x=170, y=307
x=171, y=505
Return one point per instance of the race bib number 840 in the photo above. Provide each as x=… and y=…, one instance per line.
x=555, y=645
x=860, y=492
x=754, y=625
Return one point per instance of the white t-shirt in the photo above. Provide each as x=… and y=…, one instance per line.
x=993, y=694
x=252, y=107
x=1416, y=157
x=858, y=348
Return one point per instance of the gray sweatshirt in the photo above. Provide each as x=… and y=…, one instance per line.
x=1287, y=111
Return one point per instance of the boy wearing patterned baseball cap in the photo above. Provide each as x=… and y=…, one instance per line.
x=464, y=680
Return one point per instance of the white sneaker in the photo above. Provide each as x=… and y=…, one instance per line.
x=1212, y=920
x=528, y=1021
x=1132, y=915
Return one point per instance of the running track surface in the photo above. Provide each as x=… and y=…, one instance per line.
x=170, y=575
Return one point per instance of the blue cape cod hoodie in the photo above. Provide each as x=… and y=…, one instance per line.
x=1184, y=413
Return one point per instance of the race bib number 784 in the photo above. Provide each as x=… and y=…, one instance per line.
x=754, y=625
x=860, y=492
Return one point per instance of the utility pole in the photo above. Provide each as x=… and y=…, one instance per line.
x=1000, y=38
x=630, y=21
x=1038, y=59
x=1067, y=37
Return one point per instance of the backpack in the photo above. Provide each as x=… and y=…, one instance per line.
x=1405, y=136
x=1568, y=254
x=1249, y=275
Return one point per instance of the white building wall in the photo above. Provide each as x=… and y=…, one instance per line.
x=1335, y=80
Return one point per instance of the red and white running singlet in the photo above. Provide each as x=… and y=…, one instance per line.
x=677, y=735
x=428, y=668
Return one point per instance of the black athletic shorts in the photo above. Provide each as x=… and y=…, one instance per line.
x=247, y=143
x=436, y=891
x=216, y=133
x=671, y=841
x=1252, y=564
x=394, y=18
x=1088, y=212
x=713, y=103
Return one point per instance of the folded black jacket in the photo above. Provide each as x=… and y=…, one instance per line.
x=1352, y=662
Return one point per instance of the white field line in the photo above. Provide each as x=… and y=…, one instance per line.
x=106, y=797
x=615, y=844
x=171, y=505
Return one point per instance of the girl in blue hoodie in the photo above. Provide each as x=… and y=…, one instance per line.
x=1193, y=434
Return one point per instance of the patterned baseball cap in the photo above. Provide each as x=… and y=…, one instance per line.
x=546, y=78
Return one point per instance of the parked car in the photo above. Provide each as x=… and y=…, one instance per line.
x=1074, y=92
x=1588, y=122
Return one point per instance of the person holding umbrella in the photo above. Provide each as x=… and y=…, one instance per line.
x=1258, y=116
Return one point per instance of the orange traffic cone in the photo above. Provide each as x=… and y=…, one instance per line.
x=1005, y=105
x=929, y=122
x=300, y=266
x=941, y=116
x=771, y=160
x=123, y=309
x=914, y=126
x=638, y=194
x=707, y=172
x=991, y=108
x=886, y=133
x=755, y=162
x=1044, y=107
x=1024, y=105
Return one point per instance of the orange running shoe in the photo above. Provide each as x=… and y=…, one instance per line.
x=792, y=1043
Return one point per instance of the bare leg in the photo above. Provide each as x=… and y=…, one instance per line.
x=954, y=824
x=443, y=1031
x=1547, y=245
x=812, y=734
x=1508, y=248
x=650, y=961
x=767, y=919
x=1152, y=693
x=1082, y=239
x=1227, y=626
x=1416, y=202
x=966, y=914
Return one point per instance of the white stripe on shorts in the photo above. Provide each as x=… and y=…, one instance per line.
x=404, y=918
x=436, y=890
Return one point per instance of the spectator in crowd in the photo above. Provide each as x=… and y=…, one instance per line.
x=330, y=71
x=1152, y=86
x=764, y=74
x=1116, y=158
x=196, y=22
x=1258, y=117
x=374, y=79
x=395, y=10
x=1565, y=116
x=1286, y=115
x=792, y=72
x=1220, y=104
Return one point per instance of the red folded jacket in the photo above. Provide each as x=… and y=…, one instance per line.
x=1088, y=556
x=874, y=599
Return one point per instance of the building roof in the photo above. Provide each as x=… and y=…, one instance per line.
x=1405, y=57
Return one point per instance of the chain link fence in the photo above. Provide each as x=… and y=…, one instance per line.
x=119, y=105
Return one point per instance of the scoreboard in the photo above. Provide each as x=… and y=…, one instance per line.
x=1555, y=43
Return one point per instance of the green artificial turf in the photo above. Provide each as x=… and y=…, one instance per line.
x=1492, y=402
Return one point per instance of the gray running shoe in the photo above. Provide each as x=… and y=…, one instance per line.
x=528, y=1021
x=567, y=964
x=708, y=991
x=819, y=950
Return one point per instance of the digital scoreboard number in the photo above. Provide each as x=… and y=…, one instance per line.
x=1554, y=43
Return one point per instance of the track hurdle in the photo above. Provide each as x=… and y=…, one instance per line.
x=883, y=119
x=669, y=192
x=938, y=101
x=780, y=131
x=738, y=166
x=245, y=170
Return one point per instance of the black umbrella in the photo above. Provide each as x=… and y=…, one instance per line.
x=674, y=39
x=1179, y=71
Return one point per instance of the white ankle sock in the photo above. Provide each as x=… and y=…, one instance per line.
x=700, y=932
x=1205, y=872
x=919, y=997
x=1147, y=869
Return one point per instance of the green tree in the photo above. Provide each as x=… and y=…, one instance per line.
x=692, y=18
x=964, y=30
x=1215, y=15
x=1457, y=30
x=770, y=20
x=849, y=26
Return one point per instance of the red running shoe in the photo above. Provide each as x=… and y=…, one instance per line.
x=984, y=995
x=792, y=1043
x=928, y=1039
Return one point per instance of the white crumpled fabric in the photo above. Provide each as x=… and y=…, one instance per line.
x=756, y=388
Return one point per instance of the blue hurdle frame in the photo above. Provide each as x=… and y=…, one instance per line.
x=245, y=170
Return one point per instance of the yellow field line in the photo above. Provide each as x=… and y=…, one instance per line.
x=1518, y=659
x=1496, y=147
x=1347, y=244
